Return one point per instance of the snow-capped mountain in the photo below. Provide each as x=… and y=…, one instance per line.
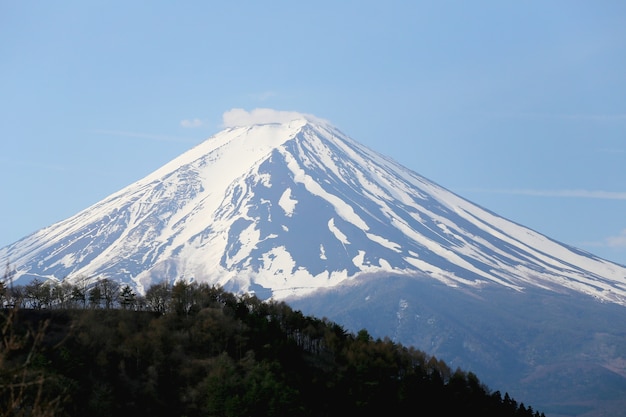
x=298, y=211
x=283, y=209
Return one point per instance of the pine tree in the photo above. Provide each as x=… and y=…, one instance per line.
x=127, y=297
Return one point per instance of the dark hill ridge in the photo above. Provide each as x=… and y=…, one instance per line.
x=222, y=355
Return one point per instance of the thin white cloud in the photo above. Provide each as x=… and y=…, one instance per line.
x=241, y=117
x=596, y=194
x=618, y=241
x=191, y=123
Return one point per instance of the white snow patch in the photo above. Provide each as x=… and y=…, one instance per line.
x=384, y=242
x=444, y=229
x=279, y=262
x=335, y=231
x=385, y=264
x=266, y=180
x=248, y=238
x=287, y=203
x=359, y=260
x=67, y=260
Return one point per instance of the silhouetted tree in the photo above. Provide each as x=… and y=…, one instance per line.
x=95, y=296
x=127, y=297
x=78, y=296
x=38, y=293
x=158, y=297
x=109, y=290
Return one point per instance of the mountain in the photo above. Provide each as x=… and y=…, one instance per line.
x=285, y=209
x=299, y=211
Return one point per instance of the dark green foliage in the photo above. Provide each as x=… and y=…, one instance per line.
x=201, y=351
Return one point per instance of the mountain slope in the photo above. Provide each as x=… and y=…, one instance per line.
x=285, y=209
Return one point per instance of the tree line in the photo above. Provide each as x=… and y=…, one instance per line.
x=49, y=294
x=192, y=349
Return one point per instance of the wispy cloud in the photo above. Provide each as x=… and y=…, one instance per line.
x=596, y=194
x=241, y=117
x=139, y=135
x=618, y=241
x=615, y=242
x=191, y=123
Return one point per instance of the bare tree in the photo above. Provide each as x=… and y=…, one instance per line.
x=38, y=294
x=158, y=297
x=109, y=290
x=61, y=294
x=78, y=296
x=95, y=296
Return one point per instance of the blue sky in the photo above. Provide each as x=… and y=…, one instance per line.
x=519, y=107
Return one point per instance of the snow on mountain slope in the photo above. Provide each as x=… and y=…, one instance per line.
x=284, y=209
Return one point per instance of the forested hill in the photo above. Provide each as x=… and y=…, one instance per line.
x=196, y=350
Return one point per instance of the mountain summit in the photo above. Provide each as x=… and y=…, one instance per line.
x=284, y=209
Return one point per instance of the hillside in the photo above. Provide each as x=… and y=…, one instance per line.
x=196, y=350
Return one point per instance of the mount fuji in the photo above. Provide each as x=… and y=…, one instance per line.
x=298, y=211
x=284, y=209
